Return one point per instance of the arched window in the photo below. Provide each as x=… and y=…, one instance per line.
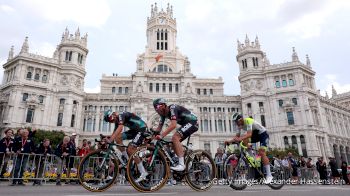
x=303, y=145
x=41, y=99
x=291, y=82
x=286, y=143
x=113, y=89
x=126, y=90
x=177, y=88
x=295, y=101
x=89, y=125
x=220, y=126
x=284, y=83
x=205, y=126
x=25, y=97
x=150, y=87
x=44, y=79
x=278, y=84
x=37, y=76
x=294, y=142
x=163, y=88
x=170, y=88
x=29, y=75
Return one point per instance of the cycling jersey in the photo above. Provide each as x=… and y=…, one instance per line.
x=130, y=120
x=180, y=114
x=259, y=133
x=136, y=127
x=183, y=117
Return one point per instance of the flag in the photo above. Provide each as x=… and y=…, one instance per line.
x=158, y=57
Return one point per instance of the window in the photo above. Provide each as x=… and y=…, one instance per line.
x=70, y=56
x=120, y=90
x=113, y=90
x=255, y=62
x=205, y=109
x=205, y=91
x=89, y=125
x=59, y=119
x=126, y=90
x=290, y=118
x=25, y=97
x=44, y=79
x=286, y=143
x=37, y=77
x=67, y=56
x=211, y=91
x=29, y=75
x=177, y=88
x=150, y=87
x=205, y=126
x=295, y=101
x=280, y=102
x=249, y=106
x=163, y=88
x=62, y=101
x=284, y=83
x=219, y=109
x=277, y=84
x=262, y=118
x=157, y=87
x=30, y=115
x=41, y=99
x=72, y=121
x=291, y=82
x=207, y=147
x=170, y=88
x=294, y=142
x=220, y=125
x=198, y=91
x=261, y=104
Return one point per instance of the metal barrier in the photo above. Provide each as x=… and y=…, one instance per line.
x=50, y=168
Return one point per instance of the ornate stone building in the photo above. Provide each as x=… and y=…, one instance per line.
x=48, y=93
x=283, y=97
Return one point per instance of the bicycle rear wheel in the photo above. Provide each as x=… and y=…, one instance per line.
x=158, y=171
x=200, y=170
x=96, y=172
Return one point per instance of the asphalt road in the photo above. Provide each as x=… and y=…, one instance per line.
x=260, y=190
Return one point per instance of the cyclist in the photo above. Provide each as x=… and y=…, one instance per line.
x=177, y=115
x=256, y=133
x=135, y=133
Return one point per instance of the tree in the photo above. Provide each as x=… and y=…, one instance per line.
x=55, y=137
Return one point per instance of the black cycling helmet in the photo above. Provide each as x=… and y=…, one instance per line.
x=107, y=115
x=158, y=101
x=236, y=116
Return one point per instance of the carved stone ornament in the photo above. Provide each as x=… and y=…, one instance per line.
x=246, y=87
x=32, y=99
x=64, y=80
x=78, y=83
x=258, y=85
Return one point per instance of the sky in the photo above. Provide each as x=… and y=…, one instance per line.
x=207, y=32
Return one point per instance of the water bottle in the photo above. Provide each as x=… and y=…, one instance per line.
x=144, y=153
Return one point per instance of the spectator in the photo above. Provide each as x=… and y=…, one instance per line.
x=334, y=169
x=42, y=151
x=23, y=146
x=309, y=169
x=70, y=163
x=322, y=169
x=294, y=166
x=84, y=148
x=219, y=161
x=344, y=167
x=302, y=164
x=63, y=151
x=276, y=162
x=6, y=149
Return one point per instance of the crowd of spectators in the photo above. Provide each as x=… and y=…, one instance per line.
x=17, y=150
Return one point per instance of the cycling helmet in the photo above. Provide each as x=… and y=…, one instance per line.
x=107, y=115
x=158, y=101
x=236, y=116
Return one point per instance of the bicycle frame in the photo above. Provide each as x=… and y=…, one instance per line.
x=113, y=151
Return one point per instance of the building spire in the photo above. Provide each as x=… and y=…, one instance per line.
x=246, y=40
x=308, y=63
x=10, y=54
x=77, y=34
x=327, y=97
x=257, y=44
x=295, y=57
x=334, y=92
x=25, y=46
x=239, y=45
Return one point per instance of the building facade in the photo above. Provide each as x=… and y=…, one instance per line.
x=47, y=93
x=283, y=97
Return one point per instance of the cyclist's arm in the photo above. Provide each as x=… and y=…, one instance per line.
x=117, y=132
x=171, y=127
x=247, y=135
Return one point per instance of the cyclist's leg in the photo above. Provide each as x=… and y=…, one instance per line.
x=184, y=132
x=264, y=140
x=132, y=147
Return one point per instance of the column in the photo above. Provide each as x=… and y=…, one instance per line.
x=212, y=127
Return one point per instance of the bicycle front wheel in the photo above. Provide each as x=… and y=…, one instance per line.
x=155, y=164
x=97, y=171
x=200, y=169
x=237, y=172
